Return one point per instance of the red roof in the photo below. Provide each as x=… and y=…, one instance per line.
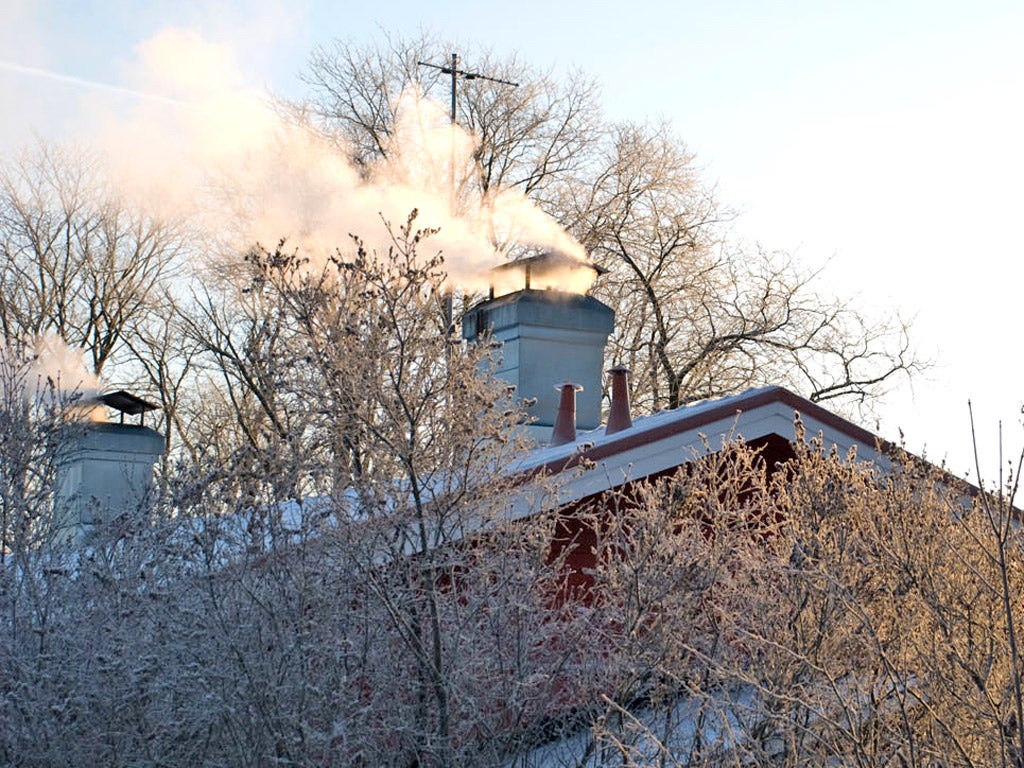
x=668, y=439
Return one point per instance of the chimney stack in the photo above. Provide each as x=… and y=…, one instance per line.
x=565, y=422
x=619, y=417
x=109, y=470
x=544, y=336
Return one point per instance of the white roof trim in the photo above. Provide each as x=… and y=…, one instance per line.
x=665, y=450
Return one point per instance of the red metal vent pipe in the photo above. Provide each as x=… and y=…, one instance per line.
x=619, y=417
x=565, y=422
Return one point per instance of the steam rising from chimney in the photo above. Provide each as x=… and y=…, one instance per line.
x=220, y=153
x=57, y=365
x=53, y=373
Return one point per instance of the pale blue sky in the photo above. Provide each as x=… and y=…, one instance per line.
x=881, y=137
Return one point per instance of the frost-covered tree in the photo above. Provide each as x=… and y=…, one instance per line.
x=345, y=588
x=823, y=613
x=699, y=315
x=77, y=261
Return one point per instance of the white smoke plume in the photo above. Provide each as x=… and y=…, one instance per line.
x=216, y=150
x=58, y=367
x=52, y=373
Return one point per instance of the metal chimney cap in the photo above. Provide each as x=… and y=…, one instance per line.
x=548, y=261
x=554, y=259
x=126, y=402
x=546, y=270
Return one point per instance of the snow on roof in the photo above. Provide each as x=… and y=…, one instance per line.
x=594, y=463
x=671, y=438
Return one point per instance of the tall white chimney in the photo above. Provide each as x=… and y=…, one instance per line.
x=546, y=337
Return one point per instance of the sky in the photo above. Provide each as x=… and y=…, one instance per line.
x=879, y=142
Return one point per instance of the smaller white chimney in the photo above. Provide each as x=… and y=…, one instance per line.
x=108, y=471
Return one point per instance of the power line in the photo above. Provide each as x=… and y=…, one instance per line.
x=453, y=70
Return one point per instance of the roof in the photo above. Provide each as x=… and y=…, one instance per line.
x=671, y=438
x=599, y=462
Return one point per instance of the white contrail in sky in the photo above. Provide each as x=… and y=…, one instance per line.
x=94, y=84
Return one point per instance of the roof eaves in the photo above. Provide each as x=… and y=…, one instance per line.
x=672, y=438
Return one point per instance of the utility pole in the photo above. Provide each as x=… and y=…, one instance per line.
x=453, y=69
x=456, y=73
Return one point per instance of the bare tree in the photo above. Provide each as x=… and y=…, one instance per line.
x=345, y=589
x=418, y=440
x=76, y=260
x=240, y=337
x=168, y=357
x=699, y=316
x=534, y=137
x=825, y=612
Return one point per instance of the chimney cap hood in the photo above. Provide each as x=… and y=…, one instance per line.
x=126, y=402
x=545, y=270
